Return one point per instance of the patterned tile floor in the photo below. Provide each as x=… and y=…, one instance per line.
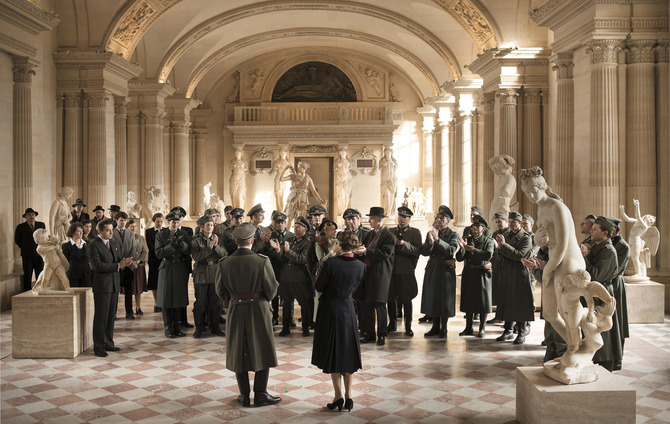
x=156, y=380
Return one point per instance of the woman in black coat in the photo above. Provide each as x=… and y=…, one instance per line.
x=337, y=349
x=74, y=250
x=152, y=259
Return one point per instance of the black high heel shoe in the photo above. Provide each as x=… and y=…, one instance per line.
x=349, y=404
x=337, y=404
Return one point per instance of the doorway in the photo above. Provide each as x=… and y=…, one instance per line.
x=321, y=171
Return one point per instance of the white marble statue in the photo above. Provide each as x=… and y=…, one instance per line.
x=132, y=199
x=419, y=203
x=644, y=239
x=389, y=180
x=135, y=211
x=505, y=187
x=59, y=214
x=217, y=203
x=343, y=182
x=301, y=187
x=206, y=197
x=280, y=187
x=161, y=204
x=255, y=81
x=405, y=198
x=151, y=197
x=564, y=280
x=238, y=185
x=55, y=264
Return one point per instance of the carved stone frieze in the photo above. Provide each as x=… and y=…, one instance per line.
x=132, y=22
x=361, y=159
x=640, y=51
x=604, y=51
x=563, y=64
x=28, y=16
x=264, y=155
x=314, y=148
x=23, y=70
x=473, y=21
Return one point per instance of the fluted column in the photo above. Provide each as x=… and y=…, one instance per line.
x=96, y=179
x=426, y=156
x=120, y=149
x=508, y=129
x=181, y=162
x=663, y=157
x=465, y=185
x=134, y=154
x=201, y=162
x=488, y=151
x=532, y=139
x=604, y=149
x=22, y=141
x=169, y=158
x=478, y=162
x=73, y=144
x=457, y=168
x=153, y=152
x=565, y=127
x=641, y=126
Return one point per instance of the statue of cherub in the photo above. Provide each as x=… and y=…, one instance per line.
x=55, y=263
x=644, y=239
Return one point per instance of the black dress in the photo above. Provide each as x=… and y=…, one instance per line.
x=336, y=345
x=152, y=260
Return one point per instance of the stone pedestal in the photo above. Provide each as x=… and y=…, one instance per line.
x=52, y=325
x=646, y=302
x=541, y=400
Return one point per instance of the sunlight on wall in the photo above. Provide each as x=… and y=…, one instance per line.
x=406, y=146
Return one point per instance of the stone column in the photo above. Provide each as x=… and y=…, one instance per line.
x=428, y=113
x=464, y=187
x=565, y=127
x=180, y=172
x=457, y=167
x=153, y=154
x=663, y=156
x=134, y=154
x=604, y=152
x=200, y=134
x=73, y=144
x=22, y=71
x=641, y=126
x=168, y=163
x=478, y=162
x=532, y=140
x=120, y=151
x=508, y=130
x=96, y=163
x=488, y=151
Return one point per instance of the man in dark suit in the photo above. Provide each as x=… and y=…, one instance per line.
x=379, y=251
x=78, y=214
x=113, y=210
x=23, y=237
x=106, y=261
x=124, y=240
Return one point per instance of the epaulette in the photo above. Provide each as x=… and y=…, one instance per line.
x=262, y=255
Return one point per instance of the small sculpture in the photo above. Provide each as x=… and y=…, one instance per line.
x=644, y=239
x=502, y=166
x=564, y=280
x=206, y=197
x=301, y=186
x=394, y=94
x=136, y=211
x=343, y=182
x=59, y=215
x=217, y=203
x=151, y=198
x=280, y=186
x=405, y=198
x=161, y=204
x=238, y=186
x=255, y=80
x=131, y=201
x=374, y=80
x=389, y=166
x=55, y=264
x=234, y=96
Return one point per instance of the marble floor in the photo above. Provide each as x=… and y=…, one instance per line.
x=157, y=380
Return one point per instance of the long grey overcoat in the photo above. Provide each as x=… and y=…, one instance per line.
x=438, y=297
x=623, y=256
x=476, y=282
x=516, y=301
x=174, y=251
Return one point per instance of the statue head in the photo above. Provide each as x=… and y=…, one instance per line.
x=501, y=164
x=533, y=183
x=303, y=166
x=649, y=220
x=67, y=192
x=41, y=236
x=131, y=196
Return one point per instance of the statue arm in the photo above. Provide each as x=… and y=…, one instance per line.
x=315, y=193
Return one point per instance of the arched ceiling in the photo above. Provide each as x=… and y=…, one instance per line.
x=182, y=41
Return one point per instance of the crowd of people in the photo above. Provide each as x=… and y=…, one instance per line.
x=352, y=285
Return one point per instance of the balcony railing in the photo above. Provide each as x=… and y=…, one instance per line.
x=313, y=114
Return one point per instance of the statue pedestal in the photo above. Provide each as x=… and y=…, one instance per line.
x=646, y=302
x=541, y=400
x=52, y=325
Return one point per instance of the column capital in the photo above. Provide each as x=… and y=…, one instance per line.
x=508, y=96
x=640, y=51
x=121, y=105
x=72, y=100
x=23, y=70
x=563, y=63
x=662, y=51
x=489, y=100
x=97, y=99
x=532, y=95
x=604, y=51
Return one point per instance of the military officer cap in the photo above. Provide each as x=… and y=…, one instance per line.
x=99, y=208
x=323, y=224
x=30, y=210
x=606, y=224
x=227, y=208
x=501, y=215
x=302, y=221
x=237, y=212
x=316, y=210
x=376, y=211
x=351, y=213
x=616, y=221
x=205, y=219
x=444, y=210
x=173, y=216
x=115, y=208
x=212, y=211
x=477, y=209
x=179, y=209
x=244, y=231
x=279, y=216
x=529, y=218
x=515, y=216
x=405, y=211
x=256, y=209
x=591, y=218
x=479, y=220
x=79, y=202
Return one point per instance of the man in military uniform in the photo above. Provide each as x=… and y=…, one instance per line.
x=228, y=216
x=403, y=281
x=183, y=316
x=502, y=228
x=250, y=280
x=476, y=250
x=585, y=229
x=476, y=211
x=315, y=215
x=236, y=219
x=516, y=301
x=438, y=297
x=623, y=256
x=206, y=252
x=262, y=236
x=278, y=234
x=602, y=265
x=294, y=280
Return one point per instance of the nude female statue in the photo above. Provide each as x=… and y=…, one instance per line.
x=389, y=166
x=343, y=185
x=280, y=186
x=301, y=186
x=502, y=166
x=643, y=233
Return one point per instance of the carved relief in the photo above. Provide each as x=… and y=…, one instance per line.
x=508, y=97
x=313, y=149
x=662, y=51
x=314, y=82
x=255, y=79
x=564, y=65
x=373, y=78
x=234, y=96
x=474, y=20
x=132, y=23
x=394, y=95
x=261, y=162
x=604, y=51
x=23, y=71
x=365, y=162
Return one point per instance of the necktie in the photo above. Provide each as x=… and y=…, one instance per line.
x=32, y=227
x=107, y=244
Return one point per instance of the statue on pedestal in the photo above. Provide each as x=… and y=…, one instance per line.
x=206, y=197
x=280, y=186
x=644, y=239
x=564, y=280
x=59, y=215
x=301, y=186
x=389, y=166
x=131, y=201
x=343, y=182
x=55, y=264
x=238, y=187
x=502, y=166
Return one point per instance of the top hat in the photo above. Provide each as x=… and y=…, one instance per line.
x=99, y=208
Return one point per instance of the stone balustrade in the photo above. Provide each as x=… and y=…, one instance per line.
x=296, y=114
